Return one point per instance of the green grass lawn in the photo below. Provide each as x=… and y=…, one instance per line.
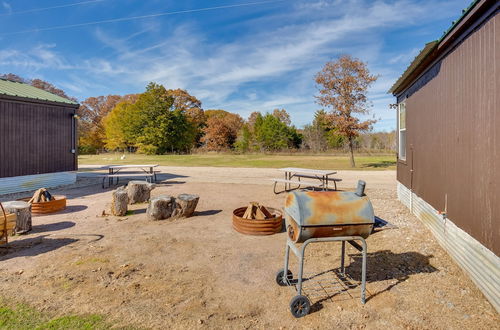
x=378, y=162
x=24, y=317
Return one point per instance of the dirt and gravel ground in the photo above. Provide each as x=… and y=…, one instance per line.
x=199, y=273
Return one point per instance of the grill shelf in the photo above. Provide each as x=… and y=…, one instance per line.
x=329, y=285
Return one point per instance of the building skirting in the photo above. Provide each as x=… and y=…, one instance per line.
x=481, y=264
x=32, y=182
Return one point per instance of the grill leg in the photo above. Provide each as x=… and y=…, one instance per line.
x=342, y=259
x=287, y=255
x=301, y=266
x=363, y=273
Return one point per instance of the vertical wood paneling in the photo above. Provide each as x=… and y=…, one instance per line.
x=452, y=124
x=35, y=138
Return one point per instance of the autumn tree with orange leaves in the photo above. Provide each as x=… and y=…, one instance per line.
x=92, y=111
x=221, y=130
x=343, y=85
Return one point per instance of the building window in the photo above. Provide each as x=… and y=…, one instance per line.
x=402, y=130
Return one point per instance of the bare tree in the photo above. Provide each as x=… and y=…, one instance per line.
x=283, y=116
x=343, y=85
x=14, y=77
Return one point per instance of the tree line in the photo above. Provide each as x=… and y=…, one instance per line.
x=162, y=120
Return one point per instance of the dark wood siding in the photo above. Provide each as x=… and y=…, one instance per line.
x=453, y=135
x=35, y=138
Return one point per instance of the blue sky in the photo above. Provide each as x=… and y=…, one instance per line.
x=245, y=56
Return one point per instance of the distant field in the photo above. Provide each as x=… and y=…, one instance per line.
x=379, y=162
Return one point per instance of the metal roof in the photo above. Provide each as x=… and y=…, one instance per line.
x=430, y=47
x=414, y=64
x=13, y=88
x=455, y=23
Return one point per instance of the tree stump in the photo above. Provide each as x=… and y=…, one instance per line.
x=120, y=201
x=161, y=207
x=139, y=191
x=23, y=212
x=185, y=204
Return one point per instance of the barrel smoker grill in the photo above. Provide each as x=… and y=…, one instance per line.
x=324, y=216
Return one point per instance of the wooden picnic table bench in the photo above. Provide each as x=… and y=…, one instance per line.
x=146, y=170
x=334, y=180
x=323, y=177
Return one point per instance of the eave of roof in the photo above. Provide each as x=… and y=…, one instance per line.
x=430, y=47
x=11, y=88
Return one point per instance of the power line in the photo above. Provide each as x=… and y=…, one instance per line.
x=53, y=7
x=123, y=19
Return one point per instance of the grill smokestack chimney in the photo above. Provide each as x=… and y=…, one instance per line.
x=360, y=191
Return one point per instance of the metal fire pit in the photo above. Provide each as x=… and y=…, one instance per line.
x=315, y=217
x=268, y=226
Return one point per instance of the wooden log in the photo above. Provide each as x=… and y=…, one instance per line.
x=36, y=196
x=139, y=191
x=267, y=214
x=119, y=205
x=248, y=212
x=41, y=195
x=256, y=211
x=161, y=207
x=185, y=204
x=22, y=210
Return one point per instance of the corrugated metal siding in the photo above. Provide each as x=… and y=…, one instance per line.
x=453, y=127
x=33, y=182
x=35, y=138
x=482, y=265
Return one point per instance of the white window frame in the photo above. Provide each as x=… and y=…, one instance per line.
x=401, y=131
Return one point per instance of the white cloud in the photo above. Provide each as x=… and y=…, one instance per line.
x=42, y=56
x=270, y=66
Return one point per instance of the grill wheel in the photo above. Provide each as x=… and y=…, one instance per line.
x=300, y=306
x=281, y=281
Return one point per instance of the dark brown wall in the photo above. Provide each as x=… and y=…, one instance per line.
x=453, y=127
x=35, y=138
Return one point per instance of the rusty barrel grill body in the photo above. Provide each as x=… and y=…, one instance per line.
x=324, y=216
x=315, y=214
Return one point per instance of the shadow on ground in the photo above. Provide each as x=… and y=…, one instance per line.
x=381, y=266
x=206, y=212
x=196, y=213
x=381, y=164
x=52, y=227
x=33, y=246
x=68, y=209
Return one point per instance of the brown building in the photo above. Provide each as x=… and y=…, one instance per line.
x=37, y=138
x=448, y=167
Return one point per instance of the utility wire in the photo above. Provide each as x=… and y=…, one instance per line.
x=53, y=7
x=123, y=19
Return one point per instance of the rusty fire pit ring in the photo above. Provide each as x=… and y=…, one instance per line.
x=58, y=204
x=257, y=227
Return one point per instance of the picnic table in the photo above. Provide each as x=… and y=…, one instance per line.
x=148, y=170
x=320, y=178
